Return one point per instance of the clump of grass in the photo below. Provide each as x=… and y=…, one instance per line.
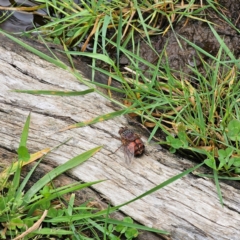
x=21, y=213
x=77, y=24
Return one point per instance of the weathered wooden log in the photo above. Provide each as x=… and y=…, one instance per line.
x=189, y=208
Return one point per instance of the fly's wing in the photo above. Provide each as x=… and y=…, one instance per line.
x=128, y=154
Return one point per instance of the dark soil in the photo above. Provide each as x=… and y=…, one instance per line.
x=181, y=56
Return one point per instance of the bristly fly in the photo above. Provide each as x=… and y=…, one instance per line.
x=132, y=144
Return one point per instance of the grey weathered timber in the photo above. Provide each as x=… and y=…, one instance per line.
x=188, y=208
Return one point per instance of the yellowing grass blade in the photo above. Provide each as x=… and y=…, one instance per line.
x=24, y=136
x=33, y=157
x=95, y=120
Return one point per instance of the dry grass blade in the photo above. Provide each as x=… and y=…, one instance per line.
x=25, y=9
x=34, y=227
x=95, y=27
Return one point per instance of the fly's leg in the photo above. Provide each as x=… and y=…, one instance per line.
x=115, y=150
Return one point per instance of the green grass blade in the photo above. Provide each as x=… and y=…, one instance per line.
x=14, y=184
x=50, y=231
x=35, y=51
x=199, y=49
x=220, y=177
x=141, y=19
x=119, y=38
x=22, y=151
x=98, y=56
x=24, y=136
x=102, y=85
x=26, y=179
x=57, y=171
x=200, y=118
x=164, y=184
x=57, y=93
x=69, y=211
x=95, y=224
x=224, y=46
x=106, y=22
x=137, y=226
x=70, y=206
x=105, y=232
x=59, y=192
x=215, y=5
x=215, y=174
